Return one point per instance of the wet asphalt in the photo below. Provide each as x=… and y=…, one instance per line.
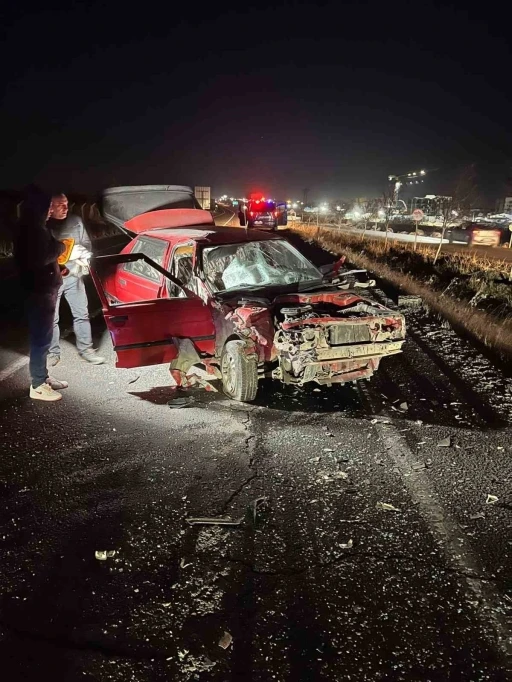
x=366, y=546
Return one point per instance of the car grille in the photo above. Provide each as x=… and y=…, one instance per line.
x=341, y=334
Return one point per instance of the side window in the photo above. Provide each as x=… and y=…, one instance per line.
x=154, y=249
x=181, y=268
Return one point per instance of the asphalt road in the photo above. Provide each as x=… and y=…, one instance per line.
x=317, y=582
x=495, y=253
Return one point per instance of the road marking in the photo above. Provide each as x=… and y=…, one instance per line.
x=24, y=360
x=457, y=548
x=13, y=367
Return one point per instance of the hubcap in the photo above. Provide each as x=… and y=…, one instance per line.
x=228, y=372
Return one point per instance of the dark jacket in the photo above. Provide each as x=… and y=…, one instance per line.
x=71, y=227
x=35, y=249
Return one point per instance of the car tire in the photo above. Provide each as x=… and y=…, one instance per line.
x=239, y=372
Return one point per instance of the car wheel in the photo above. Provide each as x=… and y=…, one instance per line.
x=239, y=372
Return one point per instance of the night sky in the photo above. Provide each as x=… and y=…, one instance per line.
x=331, y=96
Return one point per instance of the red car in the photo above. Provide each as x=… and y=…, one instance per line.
x=221, y=304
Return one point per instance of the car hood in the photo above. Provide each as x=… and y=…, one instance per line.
x=119, y=205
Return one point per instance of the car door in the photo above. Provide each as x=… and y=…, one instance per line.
x=145, y=332
x=137, y=280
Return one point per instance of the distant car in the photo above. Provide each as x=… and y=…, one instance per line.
x=477, y=234
x=261, y=214
x=222, y=304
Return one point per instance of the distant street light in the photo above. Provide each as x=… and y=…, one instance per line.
x=397, y=179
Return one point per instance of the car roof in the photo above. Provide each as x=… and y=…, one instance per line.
x=209, y=235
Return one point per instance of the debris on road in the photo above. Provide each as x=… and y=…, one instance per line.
x=103, y=555
x=445, y=443
x=225, y=640
x=346, y=545
x=132, y=381
x=183, y=564
x=180, y=401
x=255, y=505
x=404, y=407
x=477, y=515
x=213, y=521
x=491, y=499
x=384, y=506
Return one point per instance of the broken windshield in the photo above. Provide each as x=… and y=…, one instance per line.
x=258, y=263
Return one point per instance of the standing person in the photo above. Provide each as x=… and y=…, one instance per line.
x=64, y=226
x=36, y=252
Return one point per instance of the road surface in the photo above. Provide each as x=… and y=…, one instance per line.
x=496, y=253
x=321, y=580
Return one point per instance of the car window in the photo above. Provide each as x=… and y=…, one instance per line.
x=181, y=268
x=154, y=249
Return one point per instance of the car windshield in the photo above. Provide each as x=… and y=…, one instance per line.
x=256, y=264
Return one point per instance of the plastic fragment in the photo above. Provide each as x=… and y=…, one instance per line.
x=491, y=499
x=477, y=515
x=103, y=555
x=225, y=640
x=445, y=443
x=213, y=521
x=347, y=545
x=384, y=506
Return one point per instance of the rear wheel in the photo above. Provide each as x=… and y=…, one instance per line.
x=239, y=372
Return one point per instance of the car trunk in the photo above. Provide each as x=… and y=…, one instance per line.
x=121, y=204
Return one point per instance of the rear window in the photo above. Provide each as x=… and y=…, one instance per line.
x=154, y=249
x=262, y=206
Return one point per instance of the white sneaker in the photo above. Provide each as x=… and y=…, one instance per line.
x=90, y=355
x=44, y=392
x=57, y=384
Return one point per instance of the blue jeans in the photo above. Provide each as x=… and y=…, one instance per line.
x=40, y=308
x=74, y=292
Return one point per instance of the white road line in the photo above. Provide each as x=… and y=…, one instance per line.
x=21, y=362
x=457, y=548
x=228, y=220
x=13, y=367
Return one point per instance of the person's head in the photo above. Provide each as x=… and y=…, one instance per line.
x=35, y=207
x=59, y=209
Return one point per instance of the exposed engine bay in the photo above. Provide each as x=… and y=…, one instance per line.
x=327, y=337
x=327, y=344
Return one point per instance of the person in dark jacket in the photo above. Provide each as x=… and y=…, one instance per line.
x=66, y=226
x=36, y=252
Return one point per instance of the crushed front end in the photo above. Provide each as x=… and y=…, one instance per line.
x=333, y=337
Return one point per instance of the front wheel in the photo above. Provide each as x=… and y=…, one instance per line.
x=239, y=372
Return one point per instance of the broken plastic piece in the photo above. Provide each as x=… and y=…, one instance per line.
x=181, y=401
x=477, y=515
x=347, y=545
x=491, y=499
x=103, y=555
x=386, y=507
x=255, y=506
x=213, y=521
x=225, y=640
x=445, y=443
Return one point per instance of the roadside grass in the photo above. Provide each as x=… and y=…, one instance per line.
x=471, y=292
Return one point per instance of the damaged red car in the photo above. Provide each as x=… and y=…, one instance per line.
x=221, y=305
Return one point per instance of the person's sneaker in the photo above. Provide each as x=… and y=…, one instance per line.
x=57, y=384
x=44, y=392
x=91, y=356
x=53, y=359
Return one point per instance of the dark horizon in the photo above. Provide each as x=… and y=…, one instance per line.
x=327, y=97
